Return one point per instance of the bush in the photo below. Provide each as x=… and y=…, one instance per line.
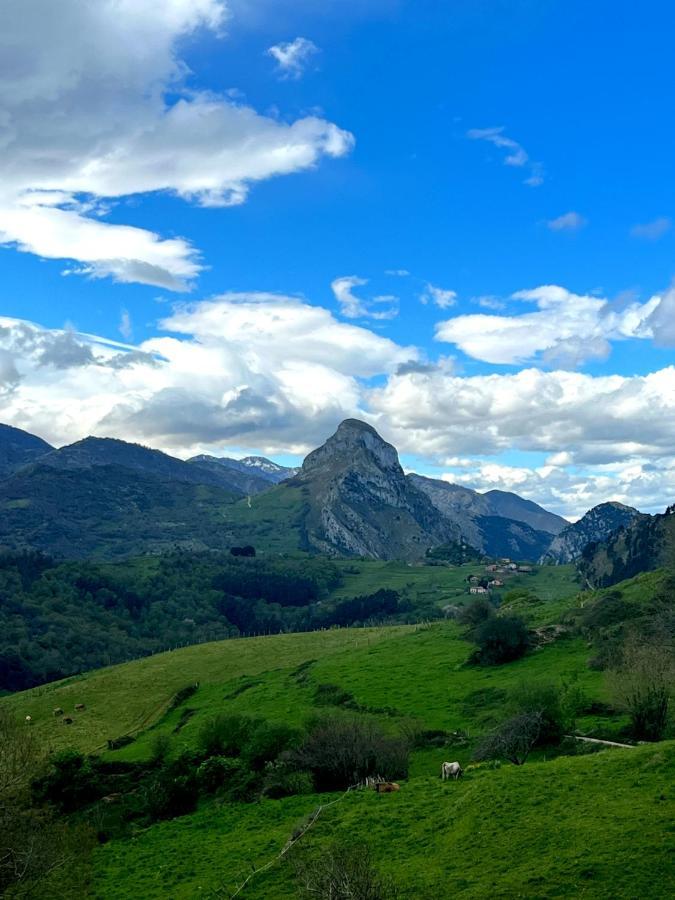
x=71, y=782
x=501, y=639
x=281, y=780
x=225, y=735
x=215, y=772
x=512, y=740
x=342, y=873
x=168, y=796
x=475, y=612
x=340, y=752
x=159, y=747
x=266, y=742
x=555, y=705
x=643, y=683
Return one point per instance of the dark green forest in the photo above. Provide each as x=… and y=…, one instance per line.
x=61, y=618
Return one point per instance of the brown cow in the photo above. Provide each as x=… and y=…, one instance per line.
x=387, y=787
x=67, y=720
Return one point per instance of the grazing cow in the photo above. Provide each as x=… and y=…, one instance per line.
x=387, y=787
x=67, y=721
x=79, y=706
x=58, y=711
x=29, y=719
x=451, y=770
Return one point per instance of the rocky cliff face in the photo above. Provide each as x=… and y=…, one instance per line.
x=359, y=502
x=644, y=544
x=596, y=526
x=482, y=525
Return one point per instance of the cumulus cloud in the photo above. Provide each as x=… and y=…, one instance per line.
x=260, y=370
x=514, y=153
x=293, y=57
x=354, y=307
x=441, y=298
x=652, y=231
x=566, y=328
x=95, y=104
x=595, y=419
x=570, y=221
x=275, y=374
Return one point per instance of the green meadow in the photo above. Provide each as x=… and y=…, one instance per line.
x=591, y=825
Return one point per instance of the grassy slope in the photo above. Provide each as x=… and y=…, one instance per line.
x=135, y=694
x=551, y=829
x=599, y=826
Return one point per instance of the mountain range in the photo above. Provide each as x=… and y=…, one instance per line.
x=107, y=498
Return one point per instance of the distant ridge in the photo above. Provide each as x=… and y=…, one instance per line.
x=19, y=448
x=596, y=525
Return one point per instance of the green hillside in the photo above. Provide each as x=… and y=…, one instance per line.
x=599, y=826
x=564, y=824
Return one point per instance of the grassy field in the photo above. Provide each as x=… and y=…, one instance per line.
x=599, y=826
x=133, y=695
x=591, y=826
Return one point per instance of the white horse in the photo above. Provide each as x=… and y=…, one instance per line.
x=451, y=770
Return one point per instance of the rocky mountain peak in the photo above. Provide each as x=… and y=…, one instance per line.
x=594, y=526
x=354, y=443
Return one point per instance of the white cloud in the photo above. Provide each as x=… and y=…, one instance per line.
x=570, y=221
x=125, y=328
x=293, y=57
x=515, y=153
x=570, y=492
x=488, y=301
x=257, y=370
x=275, y=374
x=566, y=328
x=443, y=299
x=652, y=231
x=354, y=307
x=604, y=437
x=95, y=104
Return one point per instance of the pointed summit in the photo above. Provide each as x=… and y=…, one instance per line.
x=353, y=442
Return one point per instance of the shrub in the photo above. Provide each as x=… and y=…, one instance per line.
x=501, y=639
x=282, y=780
x=168, y=795
x=475, y=612
x=70, y=782
x=342, y=873
x=511, y=740
x=215, y=772
x=642, y=685
x=265, y=742
x=340, y=752
x=159, y=747
x=555, y=705
x=225, y=735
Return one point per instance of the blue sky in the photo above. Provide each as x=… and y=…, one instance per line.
x=485, y=149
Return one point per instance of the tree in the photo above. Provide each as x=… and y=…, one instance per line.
x=340, y=752
x=501, y=639
x=642, y=684
x=512, y=740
